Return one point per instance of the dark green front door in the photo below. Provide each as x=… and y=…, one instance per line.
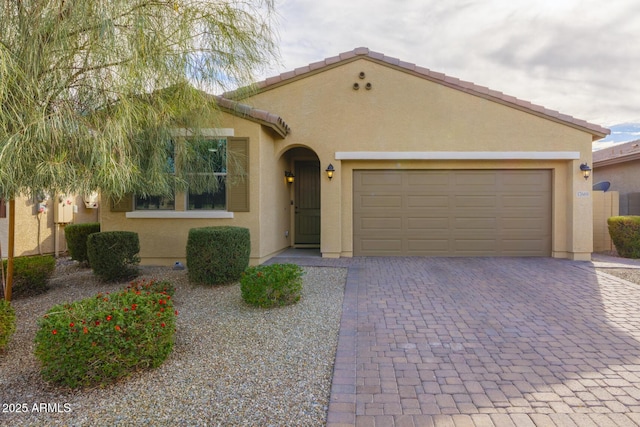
x=307, y=202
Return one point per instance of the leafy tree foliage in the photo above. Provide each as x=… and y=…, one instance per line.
x=90, y=89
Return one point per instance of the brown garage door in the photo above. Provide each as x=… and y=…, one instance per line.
x=452, y=212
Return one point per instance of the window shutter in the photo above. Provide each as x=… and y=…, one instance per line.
x=123, y=205
x=238, y=174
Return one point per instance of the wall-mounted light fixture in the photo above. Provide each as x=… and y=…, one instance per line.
x=586, y=170
x=290, y=177
x=330, y=170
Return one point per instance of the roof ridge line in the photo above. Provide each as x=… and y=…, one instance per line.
x=450, y=81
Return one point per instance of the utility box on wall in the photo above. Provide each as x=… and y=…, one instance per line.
x=63, y=212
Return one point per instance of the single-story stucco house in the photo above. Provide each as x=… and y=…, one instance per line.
x=620, y=166
x=387, y=158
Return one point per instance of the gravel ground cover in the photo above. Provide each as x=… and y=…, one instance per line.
x=232, y=365
x=629, y=274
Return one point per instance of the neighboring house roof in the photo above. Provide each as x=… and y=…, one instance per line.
x=362, y=52
x=265, y=118
x=618, y=153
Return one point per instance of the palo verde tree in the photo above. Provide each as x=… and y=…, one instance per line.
x=90, y=89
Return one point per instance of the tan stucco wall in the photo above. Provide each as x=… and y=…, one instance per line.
x=37, y=233
x=624, y=178
x=403, y=112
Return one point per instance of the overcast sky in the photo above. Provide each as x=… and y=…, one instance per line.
x=580, y=57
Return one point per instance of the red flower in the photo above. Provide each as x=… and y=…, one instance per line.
x=176, y=312
x=134, y=306
x=125, y=309
x=71, y=325
x=162, y=310
x=162, y=324
x=85, y=330
x=162, y=302
x=97, y=323
x=54, y=332
x=117, y=328
x=108, y=318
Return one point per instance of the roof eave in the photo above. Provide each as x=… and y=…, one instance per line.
x=271, y=121
x=616, y=160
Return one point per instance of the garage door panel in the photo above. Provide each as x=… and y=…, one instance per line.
x=524, y=224
x=520, y=202
x=437, y=223
x=436, y=180
x=452, y=212
x=427, y=246
x=380, y=179
x=381, y=201
x=428, y=201
x=531, y=179
x=379, y=247
x=381, y=223
x=475, y=224
x=469, y=201
x=474, y=245
x=473, y=179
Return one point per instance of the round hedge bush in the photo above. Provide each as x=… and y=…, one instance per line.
x=97, y=340
x=113, y=255
x=7, y=322
x=217, y=255
x=31, y=275
x=76, y=236
x=272, y=285
x=625, y=234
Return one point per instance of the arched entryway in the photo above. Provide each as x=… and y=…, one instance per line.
x=305, y=197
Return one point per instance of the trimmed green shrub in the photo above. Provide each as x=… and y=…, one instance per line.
x=217, y=255
x=625, y=234
x=113, y=255
x=31, y=275
x=97, y=340
x=272, y=285
x=76, y=236
x=7, y=323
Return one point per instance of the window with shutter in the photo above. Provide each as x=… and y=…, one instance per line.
x=238, y=175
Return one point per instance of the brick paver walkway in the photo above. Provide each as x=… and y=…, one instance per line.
x=485, y=342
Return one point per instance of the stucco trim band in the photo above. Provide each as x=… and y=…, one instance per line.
x=457, y=155
x=179, y=214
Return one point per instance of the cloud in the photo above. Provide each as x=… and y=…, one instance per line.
x=575, y=56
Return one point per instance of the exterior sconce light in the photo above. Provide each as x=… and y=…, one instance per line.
x=330, y=171
x=586, y=170
x=290, y=177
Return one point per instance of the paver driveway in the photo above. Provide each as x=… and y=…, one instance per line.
x=486, y=341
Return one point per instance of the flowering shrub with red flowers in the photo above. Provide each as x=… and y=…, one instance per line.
x=159, y=286
x=271, y=285
x=7, y=322
x=97, y=340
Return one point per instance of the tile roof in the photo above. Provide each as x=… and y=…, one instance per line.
x=618, y=153
x=452, y=82
x=272, y=121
